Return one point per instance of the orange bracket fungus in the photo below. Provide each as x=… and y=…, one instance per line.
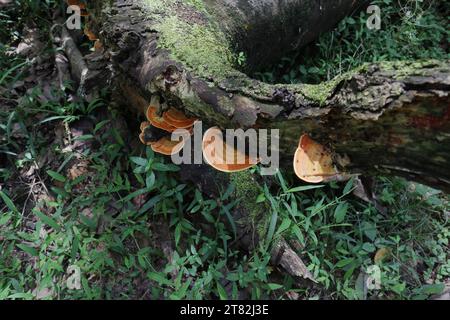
x=177, y=119
x=158, y=122
x=167, y=147
x=155, y=132
x=223, y=157
x=150, y=134
x=313, y=163
x=147, y=136
x=143, y=140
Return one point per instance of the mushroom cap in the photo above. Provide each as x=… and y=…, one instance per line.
x=215, y=151
x=163, y=145
x=167, y=147
x=151, y=113
x=312, y=162
x=178, y=119
x=157, y=121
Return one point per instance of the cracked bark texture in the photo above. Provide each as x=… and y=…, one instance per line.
x=389, y=118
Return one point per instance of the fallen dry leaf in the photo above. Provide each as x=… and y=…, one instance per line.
x=78, y=169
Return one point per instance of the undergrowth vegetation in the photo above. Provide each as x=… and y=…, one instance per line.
x=410, y=30
x=79, y=196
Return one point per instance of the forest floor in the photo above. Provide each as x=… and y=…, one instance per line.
x=87, y=212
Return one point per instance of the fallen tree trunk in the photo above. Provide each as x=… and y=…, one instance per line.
x=382, y=118
x=266, y=30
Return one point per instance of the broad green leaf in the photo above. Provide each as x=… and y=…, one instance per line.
x=222, y=293
x=398, y=288
x=165, y=167
x=298, y=233
x=344, y=262
x=177, y=234
x=304, y=188
x=139, y=161
x=272, y=225
x=369, y=247
x=4, y=219
x=56, y=176
x=431, y=289
x=261, y=198
x=274, y=286
x=285, y=224
x=135, y=194
x=340, y=212
x=150, y=204
x=30, y=250
x=230, y=220
x=47, y=220
x=150, y=180
x=159, y=277
x=370, y=230
x=348, y=187
x=8, y=202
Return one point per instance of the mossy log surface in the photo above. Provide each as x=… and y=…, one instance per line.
x=388, y=118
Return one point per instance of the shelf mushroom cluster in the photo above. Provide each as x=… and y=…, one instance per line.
x=312, y=163
x=155, y=131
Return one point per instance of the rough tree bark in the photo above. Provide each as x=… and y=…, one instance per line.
x=390, y=117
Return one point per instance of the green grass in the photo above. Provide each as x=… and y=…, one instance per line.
x=336, y=234
x=100, y=211
x=410, y=30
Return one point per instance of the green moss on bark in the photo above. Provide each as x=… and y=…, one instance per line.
x=248, y=190
x=320, y=93
x=404, y=69
x=198, y=47
x=401, y=69
x=192, y=40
